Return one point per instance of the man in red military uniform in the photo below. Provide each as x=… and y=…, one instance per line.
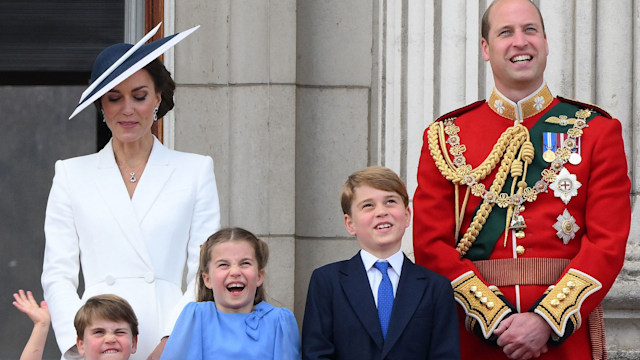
x=523, y=202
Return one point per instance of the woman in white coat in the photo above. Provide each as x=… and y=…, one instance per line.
x=132, y=216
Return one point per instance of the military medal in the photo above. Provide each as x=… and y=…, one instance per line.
x=549, y=140
x=572, y=144
x=565, y=185
x=575, y=158
x=566, y=227
x=556, y=149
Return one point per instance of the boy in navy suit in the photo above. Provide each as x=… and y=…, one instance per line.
x=378, y=304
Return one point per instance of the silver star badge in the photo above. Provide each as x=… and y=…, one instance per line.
x=565, y=186
x=566, y=227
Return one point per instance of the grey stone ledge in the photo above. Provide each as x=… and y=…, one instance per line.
x=623, y=354
x=624, y=295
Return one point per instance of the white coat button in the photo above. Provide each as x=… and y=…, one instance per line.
x=149, y=277
x=109, y=280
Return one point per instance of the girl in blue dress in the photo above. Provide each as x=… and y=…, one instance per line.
x=230, y=318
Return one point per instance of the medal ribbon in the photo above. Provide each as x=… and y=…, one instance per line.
x=493, y=229
x=550, y=141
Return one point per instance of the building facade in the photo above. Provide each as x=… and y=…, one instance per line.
x=290, y=97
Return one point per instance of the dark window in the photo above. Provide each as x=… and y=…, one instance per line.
x=55, y=42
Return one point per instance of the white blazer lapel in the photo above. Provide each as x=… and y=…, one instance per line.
x=153, y=179
x=111, y=187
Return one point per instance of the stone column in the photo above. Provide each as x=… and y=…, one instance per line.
x=334, y=76
x=235, y=101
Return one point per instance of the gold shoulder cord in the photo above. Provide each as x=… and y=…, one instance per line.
x=515, y=149
x=506, y=148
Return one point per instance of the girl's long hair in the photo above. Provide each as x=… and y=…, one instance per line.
x=260, y=248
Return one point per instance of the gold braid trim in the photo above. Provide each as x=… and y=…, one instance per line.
x=437, y=145
x=506, y=148
x=563, y=301
x=481, y=303
x=518, y=169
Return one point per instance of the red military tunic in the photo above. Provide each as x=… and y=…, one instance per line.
x=571, y=234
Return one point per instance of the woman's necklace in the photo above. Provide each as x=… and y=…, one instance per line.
x=132, y=173
x=133, y=176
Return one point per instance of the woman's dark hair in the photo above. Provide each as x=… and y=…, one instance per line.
x=164, y=84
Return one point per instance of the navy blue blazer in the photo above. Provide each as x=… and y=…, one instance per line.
x=341, y=319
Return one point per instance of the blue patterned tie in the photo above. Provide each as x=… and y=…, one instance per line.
x=385, y=297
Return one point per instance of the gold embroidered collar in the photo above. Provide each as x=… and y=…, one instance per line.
x=527, y=107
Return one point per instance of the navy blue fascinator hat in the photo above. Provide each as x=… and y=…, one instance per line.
x=117, y=62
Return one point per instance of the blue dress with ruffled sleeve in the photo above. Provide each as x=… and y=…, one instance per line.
x=203, y=332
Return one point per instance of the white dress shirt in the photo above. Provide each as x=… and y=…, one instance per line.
x=375, y=276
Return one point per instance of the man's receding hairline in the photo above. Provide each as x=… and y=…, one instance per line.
x=485, y=19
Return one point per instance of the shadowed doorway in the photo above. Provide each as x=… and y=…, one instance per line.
x=47, y=50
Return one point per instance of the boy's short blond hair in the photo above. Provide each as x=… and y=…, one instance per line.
x=106, y=307
x=377, y=177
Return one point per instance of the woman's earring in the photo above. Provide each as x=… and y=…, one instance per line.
x=104, y=119
x=155, y=114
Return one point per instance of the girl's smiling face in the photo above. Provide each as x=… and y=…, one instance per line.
x=233, y=275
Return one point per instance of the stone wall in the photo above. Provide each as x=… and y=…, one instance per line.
x=289, y=97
